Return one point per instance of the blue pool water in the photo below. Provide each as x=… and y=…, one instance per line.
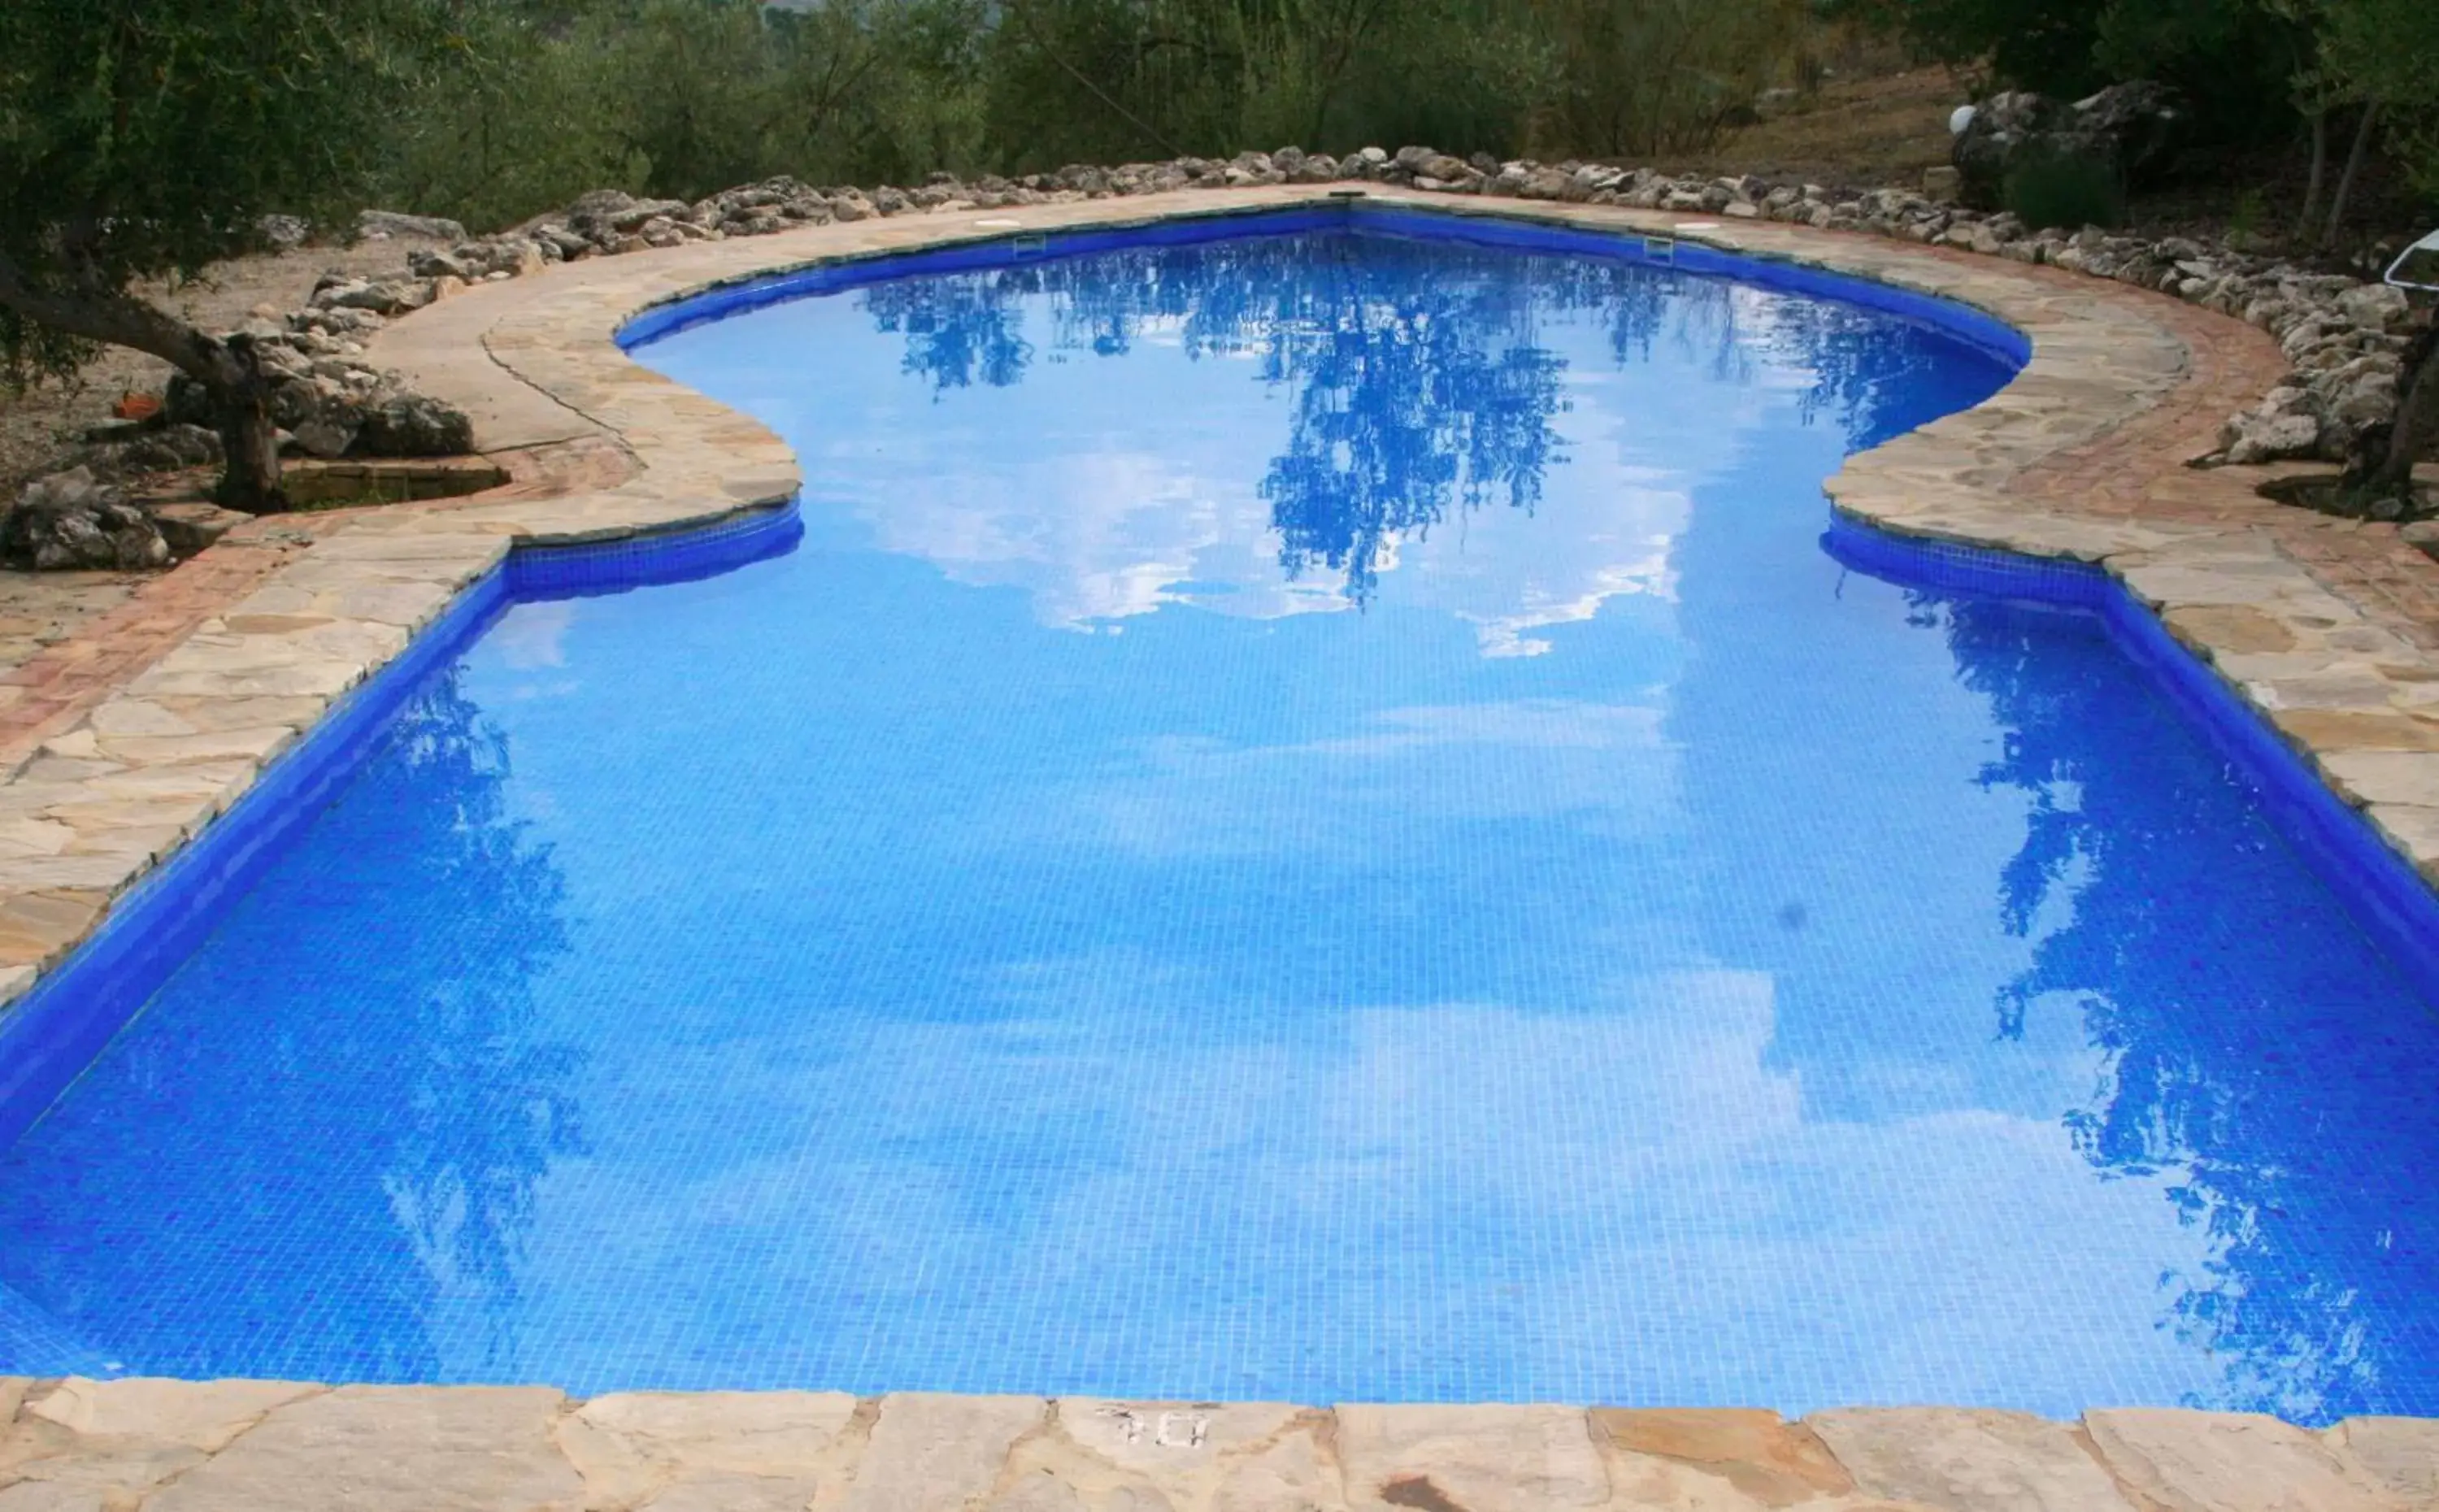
x=1309, y=818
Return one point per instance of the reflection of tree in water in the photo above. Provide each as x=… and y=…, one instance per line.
x=2231, y=1056
x=1418, y=385
x=398, y=1128
x=1415, y=374
x=1415, y=371
x=1412, y=395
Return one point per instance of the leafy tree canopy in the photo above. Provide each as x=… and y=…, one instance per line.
x=144, y=138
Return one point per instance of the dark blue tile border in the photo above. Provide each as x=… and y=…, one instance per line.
x=52, y=1032
x=2380, y=889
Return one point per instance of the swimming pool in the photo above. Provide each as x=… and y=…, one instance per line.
x=1304, y=812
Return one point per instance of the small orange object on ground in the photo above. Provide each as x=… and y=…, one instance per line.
x=134, y=407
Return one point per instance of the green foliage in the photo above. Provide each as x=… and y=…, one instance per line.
x=2063, y=189
x=144, y=137
x=2386, y=53
x=2232, y=59
x=2049, y=47
x=682, y=97
x=1649, y=76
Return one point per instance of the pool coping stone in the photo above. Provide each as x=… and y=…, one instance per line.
x=245, y=1446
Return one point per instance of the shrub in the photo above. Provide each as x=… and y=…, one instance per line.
x=2064, y=189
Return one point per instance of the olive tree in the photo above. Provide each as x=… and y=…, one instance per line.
x=2387, y=53
x=144, y=139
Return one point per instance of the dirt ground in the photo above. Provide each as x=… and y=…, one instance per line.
x=35, y=425
x=1873, y=131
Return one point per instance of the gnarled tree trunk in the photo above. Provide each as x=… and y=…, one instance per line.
x=240, y=397
x=2417, y=422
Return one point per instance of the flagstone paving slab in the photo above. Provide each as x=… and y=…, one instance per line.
x=2231, y=1461
x=142, y=1446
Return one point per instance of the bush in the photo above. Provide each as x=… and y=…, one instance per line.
x=547, y=98
x=2064, y=189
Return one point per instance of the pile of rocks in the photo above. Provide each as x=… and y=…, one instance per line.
x=73, y=520
x=2130, y=131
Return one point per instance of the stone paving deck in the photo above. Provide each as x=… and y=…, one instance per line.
x=262, y=1446
x=127, y=743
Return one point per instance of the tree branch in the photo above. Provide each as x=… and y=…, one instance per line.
x=1024, y=18
x=114, y=318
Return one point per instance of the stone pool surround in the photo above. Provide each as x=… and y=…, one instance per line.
x=2319, y=625
x=268, y=1446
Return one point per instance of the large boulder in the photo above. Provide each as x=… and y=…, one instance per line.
x=375, y=226
x=69, y=521
x=283, y=233
x=415, y=425
x=2131, y=129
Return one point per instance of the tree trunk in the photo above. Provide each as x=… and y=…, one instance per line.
x=2417, y=425
x=249, y=443
x=2320, y=174
x=2346, y=180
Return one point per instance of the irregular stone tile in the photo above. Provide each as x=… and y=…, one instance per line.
x=34, y=837
x=201, y=715
x=1290, y=1473
x=259, y=624
x=2387, y=776
x=127, y=715
x=72, y=1471
x=35, y=926
x=12, y=1394
x=731, y=1493
x=1039, y=1492
x=391, y=1448
x=2335, y=689
x=200, y=1415
x=105, y=872
x=1479, y=1459
x=2399, y=1454
x=2229, y=1462
x=255, y=745
x=1170, y=1440
x=2334, y=730
x=1774, y=1462
x=74, y=743
x=630, y=1445
x=932, y=1453
x=1968, y=1461
x=2414, y=831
